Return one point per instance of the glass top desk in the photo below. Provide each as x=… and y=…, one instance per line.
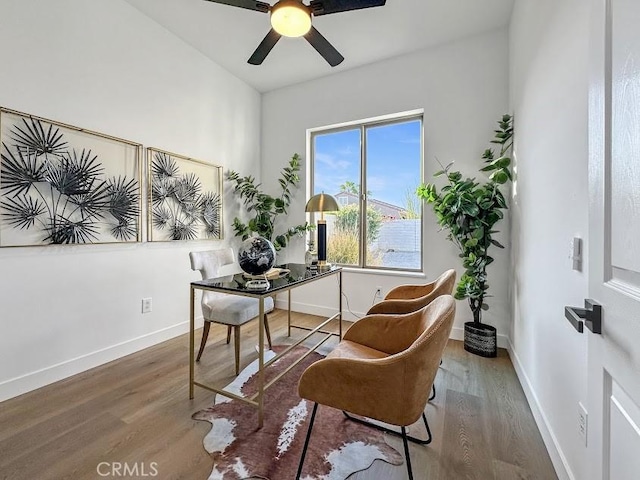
x=235, y=284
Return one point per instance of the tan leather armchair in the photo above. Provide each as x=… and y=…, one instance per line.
x=409, y=298
x=380, y=369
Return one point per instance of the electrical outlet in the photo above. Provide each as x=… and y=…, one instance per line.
x=379, y=291
x=583, y=422
x=146, y=305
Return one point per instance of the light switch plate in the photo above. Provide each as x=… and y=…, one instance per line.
x=576, y=253
x=583, y=422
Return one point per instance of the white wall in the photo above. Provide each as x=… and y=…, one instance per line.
x=463, y=89
x=104, y=66
x=548, y=62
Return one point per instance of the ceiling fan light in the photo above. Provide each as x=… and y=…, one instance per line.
x=290, y=18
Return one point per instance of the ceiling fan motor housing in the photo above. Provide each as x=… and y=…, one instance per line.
x=291, y=18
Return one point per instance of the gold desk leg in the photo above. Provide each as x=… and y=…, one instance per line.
x=340, y=303
x=192, y=301
x=289, y=314
x=261, y=363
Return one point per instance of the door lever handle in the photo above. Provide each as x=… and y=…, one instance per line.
x=591, y=314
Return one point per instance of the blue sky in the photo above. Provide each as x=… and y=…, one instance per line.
x=393, y=161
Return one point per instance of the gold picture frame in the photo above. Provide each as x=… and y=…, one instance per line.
x=184, y=198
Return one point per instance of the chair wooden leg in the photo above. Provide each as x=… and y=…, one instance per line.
x=266, y=330
x=236, y=331
x=306, y=442
x=228, y=334
x=203, y=342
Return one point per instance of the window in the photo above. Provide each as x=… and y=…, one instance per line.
x=373, y=169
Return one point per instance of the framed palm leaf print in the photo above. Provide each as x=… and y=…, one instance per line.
x=61, y=184
x=185, y=198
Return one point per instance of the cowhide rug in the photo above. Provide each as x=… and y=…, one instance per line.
x=240, y=450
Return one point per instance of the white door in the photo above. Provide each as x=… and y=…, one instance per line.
x=613, y=445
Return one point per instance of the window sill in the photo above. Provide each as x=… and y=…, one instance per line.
x=390, y=273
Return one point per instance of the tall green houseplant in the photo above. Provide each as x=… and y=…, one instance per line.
x=265, y=208
x=469, y=210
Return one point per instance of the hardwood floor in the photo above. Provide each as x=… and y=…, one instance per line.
x=136, y=409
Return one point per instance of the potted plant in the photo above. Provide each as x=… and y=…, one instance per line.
x=469, y=210
x=267, y=209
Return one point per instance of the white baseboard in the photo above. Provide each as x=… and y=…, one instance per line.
x=33, y=380
x=457, y=333
x=560, y=463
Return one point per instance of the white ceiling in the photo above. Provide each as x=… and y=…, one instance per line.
x=229, y=35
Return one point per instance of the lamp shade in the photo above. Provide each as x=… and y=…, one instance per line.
x=322, y=203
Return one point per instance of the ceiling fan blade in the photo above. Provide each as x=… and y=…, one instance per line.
x=264, y=48
x=325, y=7
x=248, y=4
x=324, y=48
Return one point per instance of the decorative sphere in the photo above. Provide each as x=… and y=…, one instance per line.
x=256, y=255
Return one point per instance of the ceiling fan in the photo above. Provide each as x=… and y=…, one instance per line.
x=292, y=18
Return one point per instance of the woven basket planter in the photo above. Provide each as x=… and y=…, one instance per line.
x=480, y=339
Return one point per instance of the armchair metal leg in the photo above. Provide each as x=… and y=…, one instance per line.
x=236, y=332
x=228, y=334
x=406, y=452
x=393, y=432
x=266, y=330
x=203, y=342
x=306, y=441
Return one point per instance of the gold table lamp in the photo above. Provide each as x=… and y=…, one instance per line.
x=322, y=203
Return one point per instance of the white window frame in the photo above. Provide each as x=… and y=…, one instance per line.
x=363, y=125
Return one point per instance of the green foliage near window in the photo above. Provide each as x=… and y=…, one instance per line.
x=469, y=211
x=267, y=209
x=343, y=248
x=343, y=245
x=348, y=220
x=350, y=187
x=411, y=205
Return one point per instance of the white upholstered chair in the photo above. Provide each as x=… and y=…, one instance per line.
x=230, y=310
